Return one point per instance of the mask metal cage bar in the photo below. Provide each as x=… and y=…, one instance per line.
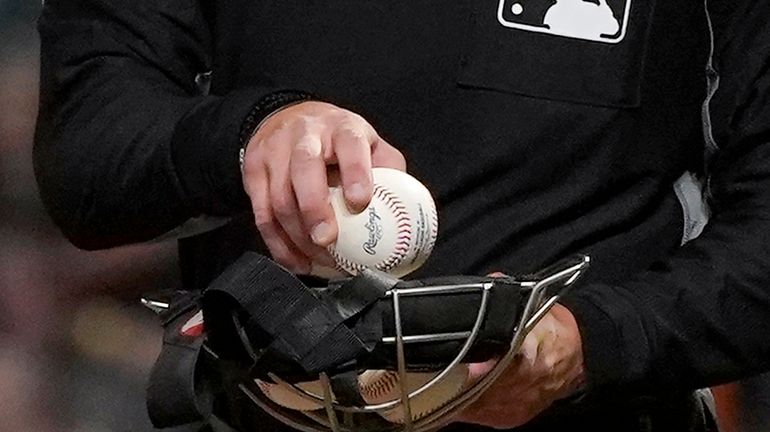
x=155, y=305
x=285, y=419
x=396, y=294
x=534, y=310
x=536, y=307
x=401, y=360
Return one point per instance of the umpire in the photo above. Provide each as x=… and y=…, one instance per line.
x=217, y=123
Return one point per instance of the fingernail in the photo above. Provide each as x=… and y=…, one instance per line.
x=356, y=193
x=322, y=234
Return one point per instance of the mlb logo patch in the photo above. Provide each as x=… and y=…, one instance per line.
x=593, y=20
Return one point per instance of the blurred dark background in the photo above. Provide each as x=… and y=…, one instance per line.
x=75, y=345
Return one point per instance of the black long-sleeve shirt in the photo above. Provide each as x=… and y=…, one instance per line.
x=535, y=145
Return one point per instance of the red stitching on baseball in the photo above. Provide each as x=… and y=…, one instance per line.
x=345, y=264
x=403, y=224
x=403, y=236
x=384, y=384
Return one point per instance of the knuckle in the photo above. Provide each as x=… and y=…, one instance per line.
x=355, y=118
x=248, y=170
x=259, y=141
x=293, y=263
x=283, y=122
x=309, y=249
x=307, y=147
x=393, y=153
x=263, y=217
x=399, y=155
x=355, y=168
x=316, y=107
x=270, y=143
x=284, y=257
x=306, y=124
x=282, y=206
x=349, y=134
x=251, y=157
x=549, y=362
x=270, y=147
x=312, y=211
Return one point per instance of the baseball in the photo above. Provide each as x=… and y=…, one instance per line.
x=378, y=387
x=289, y=399
x=394, y=234
x=381, y=386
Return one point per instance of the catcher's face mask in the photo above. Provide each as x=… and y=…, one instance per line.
x=367, y=353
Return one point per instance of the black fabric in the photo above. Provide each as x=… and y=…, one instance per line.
x=281, y=318
x=541, y=61
x=670, y=413
x=356, y=294
x=151, y=126
x=452, y=313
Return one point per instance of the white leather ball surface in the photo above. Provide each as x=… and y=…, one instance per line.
x=394, y=234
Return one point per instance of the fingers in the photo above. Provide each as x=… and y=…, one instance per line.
x=385, y=155
x=477, y=371
x=353, y=146
x=529, y=349
x=285, y=175
x=308, y=179
x=358, y=149
x=547, y=368
x=275, y=238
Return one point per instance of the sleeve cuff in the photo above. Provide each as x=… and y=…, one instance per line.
x=207, y=142
x=615, y=348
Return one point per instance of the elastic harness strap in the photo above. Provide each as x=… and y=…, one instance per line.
x=284, y=318
x=181, y=382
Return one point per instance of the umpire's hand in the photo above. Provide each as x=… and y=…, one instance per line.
x=285, y=176
x=549, y=367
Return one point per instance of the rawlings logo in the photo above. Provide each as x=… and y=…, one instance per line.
x=375, y=231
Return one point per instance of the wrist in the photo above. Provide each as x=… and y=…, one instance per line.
x=263, y=110
x=570, y=331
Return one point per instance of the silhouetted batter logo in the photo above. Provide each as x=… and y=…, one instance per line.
x=595, y=20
